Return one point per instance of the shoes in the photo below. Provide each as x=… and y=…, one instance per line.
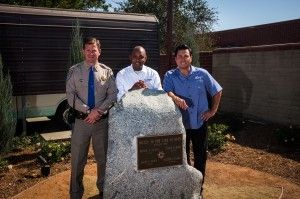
x=101, y=195
x=201, y=193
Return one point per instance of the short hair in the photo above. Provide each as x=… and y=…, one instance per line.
x=91, y=40
x=138, y=48
x=182, y=47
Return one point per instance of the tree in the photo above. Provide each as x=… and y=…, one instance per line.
x=67, y=4
x=191, y=18
x=7, y=115
x=76, y=55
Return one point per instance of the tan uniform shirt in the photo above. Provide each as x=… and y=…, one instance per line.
x=77, y=84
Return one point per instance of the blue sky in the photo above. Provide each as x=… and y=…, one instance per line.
x=243, y=13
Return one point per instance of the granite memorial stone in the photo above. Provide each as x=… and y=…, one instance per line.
x=146, y=150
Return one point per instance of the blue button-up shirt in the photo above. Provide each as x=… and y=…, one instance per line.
x=193, y=89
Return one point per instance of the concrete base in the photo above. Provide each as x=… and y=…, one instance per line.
x=55, y=136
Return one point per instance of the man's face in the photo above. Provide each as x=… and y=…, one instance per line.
x=138, y=58
x=91, y=53
x=183, y=59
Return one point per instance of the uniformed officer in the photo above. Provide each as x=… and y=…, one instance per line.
x=91, y=84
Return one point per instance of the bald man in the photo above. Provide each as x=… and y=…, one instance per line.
x=137, y=75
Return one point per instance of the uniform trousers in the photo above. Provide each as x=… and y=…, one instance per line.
x=82, y=134
x=198, y=137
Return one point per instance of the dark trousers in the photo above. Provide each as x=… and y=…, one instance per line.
x=198, y=137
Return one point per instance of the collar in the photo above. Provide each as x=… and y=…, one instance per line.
x=191, y=72
x=87, y=66
x=144, y=68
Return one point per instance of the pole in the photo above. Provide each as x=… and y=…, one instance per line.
x=169, y=36
x=168, y=42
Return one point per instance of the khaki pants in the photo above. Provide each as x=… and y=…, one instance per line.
x=80, y=141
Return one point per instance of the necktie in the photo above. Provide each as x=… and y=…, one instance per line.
x=91, y=91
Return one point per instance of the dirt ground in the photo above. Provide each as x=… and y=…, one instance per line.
x=254, y=147
x=223, y=181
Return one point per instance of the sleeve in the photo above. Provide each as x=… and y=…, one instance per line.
x=157, y=82
x=111, y=93
x=71, y=93
x=212, y=86
x=168, y=85
x=120, y=86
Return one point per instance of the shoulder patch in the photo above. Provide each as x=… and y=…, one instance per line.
x=69, y=74
x=104, y=66
x=72, y=69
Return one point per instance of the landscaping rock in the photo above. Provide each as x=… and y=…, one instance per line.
x=146, y=113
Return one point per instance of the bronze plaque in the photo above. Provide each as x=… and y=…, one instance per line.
x=159, y=151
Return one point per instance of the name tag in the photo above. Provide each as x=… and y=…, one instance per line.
x=148, y=80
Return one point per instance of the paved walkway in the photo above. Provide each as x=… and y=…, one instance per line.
x=222, y=181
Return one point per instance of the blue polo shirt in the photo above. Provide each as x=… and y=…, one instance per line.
x=193, y=89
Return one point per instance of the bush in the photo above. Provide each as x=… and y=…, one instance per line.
x=55, y=151
x=216, y=136
x=7, y=116
x=22, y=142
x=3, y=163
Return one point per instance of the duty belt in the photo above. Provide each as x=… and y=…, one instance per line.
x=80, y=115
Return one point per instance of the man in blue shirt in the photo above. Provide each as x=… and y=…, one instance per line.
x=189, y=87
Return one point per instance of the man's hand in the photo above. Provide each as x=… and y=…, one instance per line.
x=93, y=116
x=180, y=102
x=207, y=115
x=214, y=107
x=138, y=85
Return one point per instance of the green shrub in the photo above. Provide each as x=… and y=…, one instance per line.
x=3, y=163
x=7, y=115
x=55, y=151
x=216, y=136
x=22, y=142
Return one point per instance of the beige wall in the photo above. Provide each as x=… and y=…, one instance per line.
x=260, y=83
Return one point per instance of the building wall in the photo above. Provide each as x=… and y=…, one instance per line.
x=261, y=82
x=205, y=60
x=265, y=34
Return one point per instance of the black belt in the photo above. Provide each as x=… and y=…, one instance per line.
x=80, y=115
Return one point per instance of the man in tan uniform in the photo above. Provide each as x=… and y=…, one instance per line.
x=92, y=86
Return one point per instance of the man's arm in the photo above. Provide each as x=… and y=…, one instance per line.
x=214, y=107
x=168, y=87
x=111, y=97
x=71, y=93
x=138, y=85
x=178, y=101
x=111, y=94
x=157, y=82
x=120, y=86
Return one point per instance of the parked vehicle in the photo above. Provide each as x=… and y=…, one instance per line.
x=34, y=43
